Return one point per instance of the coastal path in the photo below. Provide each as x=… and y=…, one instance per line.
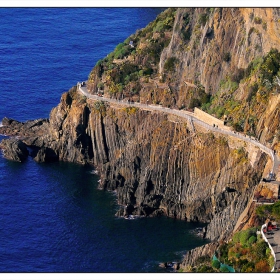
x=187, y=115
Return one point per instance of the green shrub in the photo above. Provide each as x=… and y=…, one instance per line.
x=206, y=107
x=264, y=211
x=121, y=51
x=237, y=127
x=159, y=27
x=270, y=66
x=223, y=253
x=100, y=85
x=224, y=269
x=216, y=264
x=247, y=267
x=195, y=102
x=253, y=89
x=147, y=71
x=202, y=19
x=253, y=66
x=205, y=268
x=260, y=250
x=205, y=98
x=228, y=85
x=244, y=234
x=257, y=20
x=129, y=68
x=220, y=111
x=131, y=110
x=186, y=34
x=252, y=240
x=169, y=64
x=237, y=75
x=100, y=106
x=276, y=210
x=236, y=237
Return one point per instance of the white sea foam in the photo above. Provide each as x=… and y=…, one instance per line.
x=93, y=172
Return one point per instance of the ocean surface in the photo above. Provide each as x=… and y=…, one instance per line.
x=52, y=216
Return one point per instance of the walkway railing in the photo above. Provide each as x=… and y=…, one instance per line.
x=270, y=247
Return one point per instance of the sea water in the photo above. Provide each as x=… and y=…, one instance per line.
x=52, y=216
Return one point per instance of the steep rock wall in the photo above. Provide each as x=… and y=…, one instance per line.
x=156, y=165
x=244, y=33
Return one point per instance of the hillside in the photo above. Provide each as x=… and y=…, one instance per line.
x=225, y=61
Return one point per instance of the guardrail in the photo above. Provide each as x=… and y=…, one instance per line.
x=270, y=247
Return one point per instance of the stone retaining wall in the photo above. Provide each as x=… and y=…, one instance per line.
x=207, y=118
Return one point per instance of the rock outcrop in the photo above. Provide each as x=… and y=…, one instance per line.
x=153, y=160
x=14, y=149
x=194, y=256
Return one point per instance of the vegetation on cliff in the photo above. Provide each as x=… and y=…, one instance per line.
x=223, y=60
x=259, y=81
x=271, y=211
x=135, y=60
x=246, y=252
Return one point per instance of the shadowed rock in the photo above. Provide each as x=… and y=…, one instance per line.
x=14, y=149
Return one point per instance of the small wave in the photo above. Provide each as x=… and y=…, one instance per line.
x=151, y=266
x=130, y=217
x=180, y=253
x=93, y=172
x=133, y=217
x=113, y=192
x=197, y=231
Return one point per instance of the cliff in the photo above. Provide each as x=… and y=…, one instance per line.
x=152, y=160
x=223, y=60
x=213, y=58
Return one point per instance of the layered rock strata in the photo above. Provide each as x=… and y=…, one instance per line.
x=151, y=159
x=154, y=161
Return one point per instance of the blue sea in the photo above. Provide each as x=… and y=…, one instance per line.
x=52, y=216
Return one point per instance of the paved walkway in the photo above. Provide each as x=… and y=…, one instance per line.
x=187, y=115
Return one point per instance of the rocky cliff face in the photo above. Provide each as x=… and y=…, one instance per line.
x=153, y=161
x=14, y=149
x=243, y=33
x=194, y=257
x=218, y=59
x=215, y=59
